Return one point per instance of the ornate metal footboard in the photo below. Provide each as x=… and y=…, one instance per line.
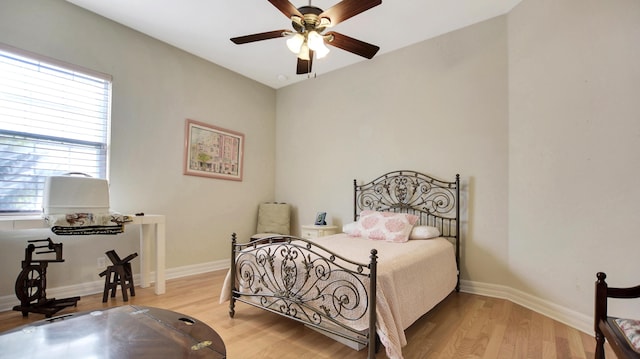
x=300, y=280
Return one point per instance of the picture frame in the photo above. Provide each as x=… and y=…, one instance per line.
x=320, y=219
x=212, y=151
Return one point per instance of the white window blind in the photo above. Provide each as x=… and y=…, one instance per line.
x=54, y=119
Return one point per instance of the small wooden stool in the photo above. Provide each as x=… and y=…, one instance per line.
x=118, y=274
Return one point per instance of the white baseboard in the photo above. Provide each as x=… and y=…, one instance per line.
x=9, y=301
x=564, y=315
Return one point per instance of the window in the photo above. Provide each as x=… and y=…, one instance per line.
x=54, y=119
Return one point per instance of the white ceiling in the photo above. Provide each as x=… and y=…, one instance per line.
x=204, y=27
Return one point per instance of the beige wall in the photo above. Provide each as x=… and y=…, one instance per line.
x=439, y=107
x=574, y=147
x=155, y=88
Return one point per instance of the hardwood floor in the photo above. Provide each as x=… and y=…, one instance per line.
x=462, y=326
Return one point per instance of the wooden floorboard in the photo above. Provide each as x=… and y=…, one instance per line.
x=462, y=326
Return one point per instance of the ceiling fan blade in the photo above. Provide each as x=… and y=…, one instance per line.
x=287, y=8
x=304, y=66
x=347, y=9
x=352, y=45
x=258, y=37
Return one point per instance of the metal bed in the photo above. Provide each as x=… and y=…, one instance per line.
x=304, y=281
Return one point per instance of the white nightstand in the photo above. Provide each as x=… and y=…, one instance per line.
x=312, y=231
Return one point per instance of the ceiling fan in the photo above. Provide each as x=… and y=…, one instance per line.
x=309, y=23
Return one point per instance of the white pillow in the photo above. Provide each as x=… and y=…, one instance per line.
x=424, y=232
x=349, y=228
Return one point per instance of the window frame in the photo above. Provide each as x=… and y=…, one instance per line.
x=71, y=68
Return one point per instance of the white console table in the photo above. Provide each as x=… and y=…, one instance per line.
x=147, y=223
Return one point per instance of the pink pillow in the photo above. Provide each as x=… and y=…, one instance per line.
x=387, y=226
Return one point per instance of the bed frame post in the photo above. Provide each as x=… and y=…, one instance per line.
x=232, y=278
x=355, y=194
x=373, y=275
x=458, y=230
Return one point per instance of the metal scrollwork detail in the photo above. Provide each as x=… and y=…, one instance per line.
x=295, y=281
x=398, y=192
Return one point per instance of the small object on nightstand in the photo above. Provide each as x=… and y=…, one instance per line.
x=314, y=231
x=320, y=219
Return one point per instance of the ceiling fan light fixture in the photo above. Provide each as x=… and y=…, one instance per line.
x=315, y=40
x=304, y=52
x=294, y=43
x=316, y=43
x=321, y=51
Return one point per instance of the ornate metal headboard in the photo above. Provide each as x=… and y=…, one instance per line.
x=435, y=202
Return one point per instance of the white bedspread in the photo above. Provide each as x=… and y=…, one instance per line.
x=412, y=278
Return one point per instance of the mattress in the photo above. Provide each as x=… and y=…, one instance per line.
x=412, y=278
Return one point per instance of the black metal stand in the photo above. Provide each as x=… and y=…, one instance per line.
x=32, y=282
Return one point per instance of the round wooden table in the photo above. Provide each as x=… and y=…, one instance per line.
x=119, y=332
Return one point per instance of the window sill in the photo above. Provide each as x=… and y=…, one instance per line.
x=16, y=222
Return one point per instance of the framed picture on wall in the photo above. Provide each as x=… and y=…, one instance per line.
x=211, y=151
